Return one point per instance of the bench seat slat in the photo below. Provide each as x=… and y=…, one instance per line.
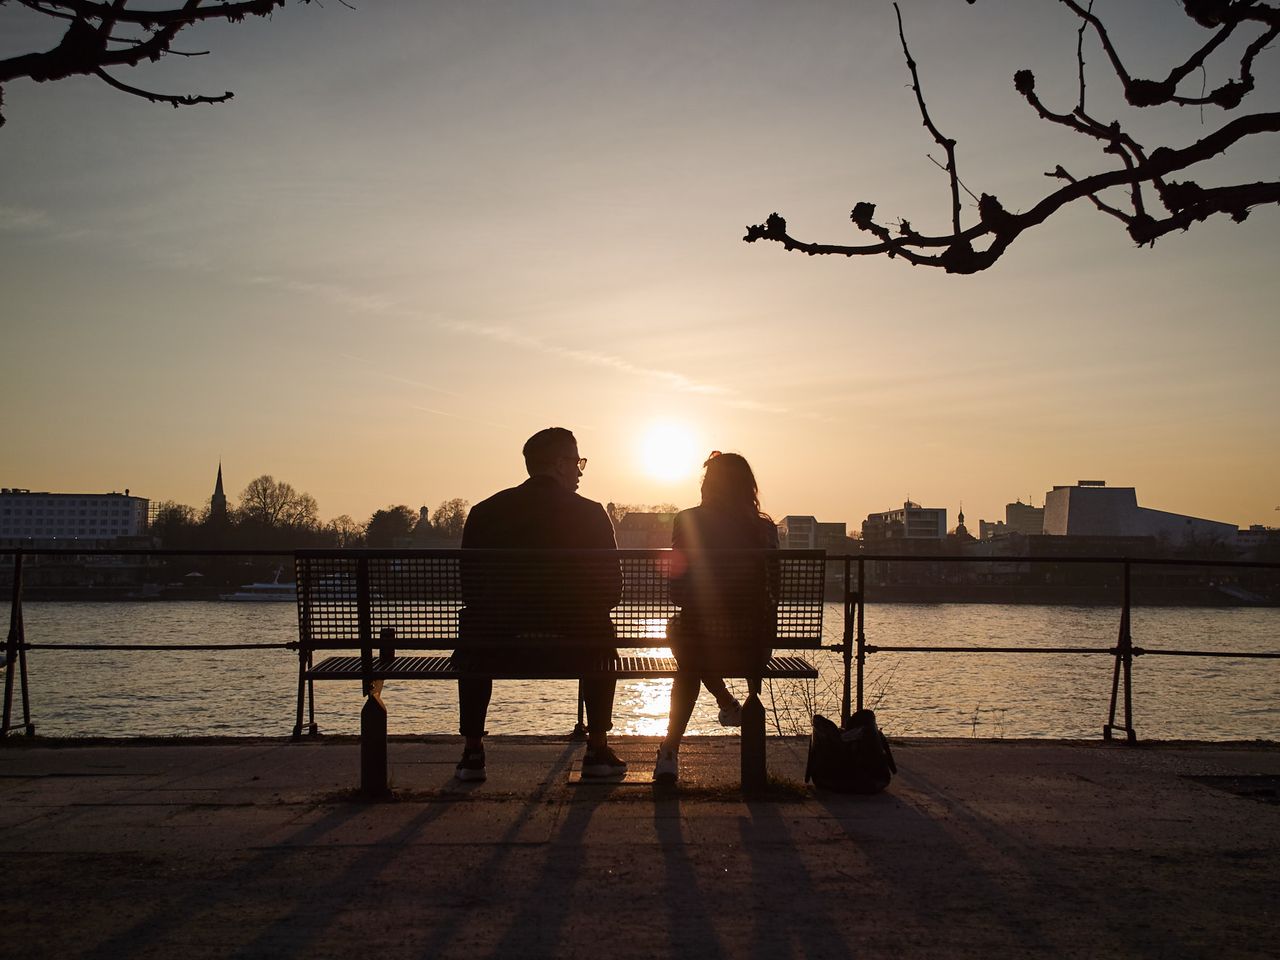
x=442, y=668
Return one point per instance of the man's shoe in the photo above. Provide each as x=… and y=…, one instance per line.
x=667, y=767
x=603, y=764
x=731, y=716
x=471, y=767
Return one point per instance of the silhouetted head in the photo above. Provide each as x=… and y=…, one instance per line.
x=553, y=452
x=729, y=484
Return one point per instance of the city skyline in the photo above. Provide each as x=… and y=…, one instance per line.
x=951, y=513
x=419, y=234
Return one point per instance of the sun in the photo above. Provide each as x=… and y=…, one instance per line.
x=669, y=451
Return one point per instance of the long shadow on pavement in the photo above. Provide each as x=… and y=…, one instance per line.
x=484, y=878
x=691, y=931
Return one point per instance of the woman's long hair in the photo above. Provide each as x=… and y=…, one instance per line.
x=729, y=484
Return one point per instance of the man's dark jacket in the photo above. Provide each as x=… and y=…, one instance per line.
x=556, y=602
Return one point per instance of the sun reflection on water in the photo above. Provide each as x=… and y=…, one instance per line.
x=641, y=706
x=644, y=705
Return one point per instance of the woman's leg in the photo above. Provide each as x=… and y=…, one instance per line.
x=473, y=707
x=715, y=686
x=684, y=694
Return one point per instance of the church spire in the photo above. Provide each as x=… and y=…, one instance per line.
x=218, y=502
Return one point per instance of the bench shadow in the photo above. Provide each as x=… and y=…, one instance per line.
x=536, y=929
x=295, y=933
x=539, y=927
x=159, y=927
x=359, y=874
x=486, y=874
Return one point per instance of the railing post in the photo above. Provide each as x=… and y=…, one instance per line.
x=11, y=642
x=862, y=636
x=847, y=652
x=1124, y=661
x=16, y=655
x=304, y=640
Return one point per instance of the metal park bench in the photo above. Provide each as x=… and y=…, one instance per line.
x=380, y=603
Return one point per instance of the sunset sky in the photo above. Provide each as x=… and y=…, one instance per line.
x=420, y=232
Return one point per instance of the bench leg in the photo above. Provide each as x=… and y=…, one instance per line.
x=754, y=769
x=579, y=733
x=311, y=702
x=373, y=748
x=302, y=693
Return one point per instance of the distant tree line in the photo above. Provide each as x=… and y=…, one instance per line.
x=274, y=514
x=619, y=510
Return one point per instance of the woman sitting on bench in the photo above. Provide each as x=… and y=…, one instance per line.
x=727, y=609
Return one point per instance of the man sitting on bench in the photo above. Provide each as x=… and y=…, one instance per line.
x=557, y=613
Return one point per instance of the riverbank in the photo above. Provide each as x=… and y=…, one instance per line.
x=1064, y=595
x=255, y=848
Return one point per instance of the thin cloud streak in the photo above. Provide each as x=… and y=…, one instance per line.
x=397, y=378
x=38, y=222
x=334, y=293
x=382, y=306
x=462, y=416
x=23, y=218
x=676, y=381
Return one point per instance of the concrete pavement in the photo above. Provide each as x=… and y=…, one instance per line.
x=257, y=848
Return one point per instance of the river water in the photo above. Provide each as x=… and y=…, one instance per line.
x=252, y=693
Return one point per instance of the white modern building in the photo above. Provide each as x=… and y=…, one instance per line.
x=70, y=519
x=1092, y=509
x=912, y=522
x=809, y=533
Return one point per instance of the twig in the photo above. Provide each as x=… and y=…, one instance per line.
x=1061, y=174
x=175, y=100
x=963, y=185
x=948, y=145
x=1080, y=57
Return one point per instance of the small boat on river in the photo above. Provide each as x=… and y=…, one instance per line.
x=273, y=592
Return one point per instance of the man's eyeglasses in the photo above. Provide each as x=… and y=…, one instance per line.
x=581, y=463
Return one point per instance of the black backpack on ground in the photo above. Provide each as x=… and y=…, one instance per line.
x=856, y=759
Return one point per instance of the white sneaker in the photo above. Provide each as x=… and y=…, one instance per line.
x=470, y=768
x=666, y=769
x=731, y=716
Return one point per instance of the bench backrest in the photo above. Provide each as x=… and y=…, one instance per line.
x=349, y=596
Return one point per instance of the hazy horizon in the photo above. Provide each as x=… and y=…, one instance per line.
x=419, y=233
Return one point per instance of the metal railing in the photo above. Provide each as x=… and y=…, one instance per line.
x=1123, y=651
x=851, y=578
x=16, y=645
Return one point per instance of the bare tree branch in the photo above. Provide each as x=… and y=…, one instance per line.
x=90, y=44
x=1184, y=203
x=1003, y=227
